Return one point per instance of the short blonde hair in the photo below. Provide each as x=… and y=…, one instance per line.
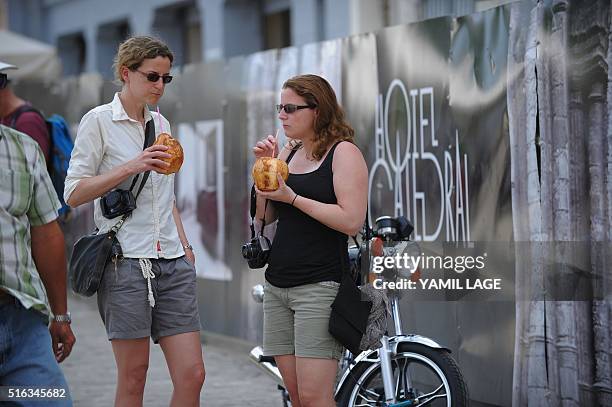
x=134, y=50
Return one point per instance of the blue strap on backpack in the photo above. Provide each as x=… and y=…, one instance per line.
x=61, y=149
x=61, y=146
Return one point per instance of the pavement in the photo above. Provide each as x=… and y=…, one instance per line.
x=231, y=379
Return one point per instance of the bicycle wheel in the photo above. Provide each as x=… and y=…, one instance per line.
x=435, y=380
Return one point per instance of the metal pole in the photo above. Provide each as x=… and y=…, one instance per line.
x=385, y=368
x=397, y=319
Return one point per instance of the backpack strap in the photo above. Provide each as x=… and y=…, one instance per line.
x=23, y=109
x=29, y=108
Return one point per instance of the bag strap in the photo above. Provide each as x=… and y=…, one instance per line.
x=292, y=153
x=149, y=138
x=367, y=235
x=253, y=206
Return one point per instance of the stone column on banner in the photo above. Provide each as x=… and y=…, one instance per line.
x=213, y=26
x=367, y=16
x=91, y=52
x=307, y=19
x=337, y=27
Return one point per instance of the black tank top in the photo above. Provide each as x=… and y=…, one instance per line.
x=305, y=251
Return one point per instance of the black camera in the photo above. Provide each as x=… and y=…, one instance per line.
x=257, y=251
x=117, y=202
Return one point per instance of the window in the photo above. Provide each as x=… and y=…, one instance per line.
x=179, y=26
x=109, y=37
x=277, y=29
x=72, y=51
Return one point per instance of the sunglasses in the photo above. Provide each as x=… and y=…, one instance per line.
x=3, y=80
x=154, y=77
x=291, y=108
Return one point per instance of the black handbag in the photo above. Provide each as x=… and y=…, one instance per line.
x=349, y=315
x=89, y=257
x=91, y=252
x=349, y=311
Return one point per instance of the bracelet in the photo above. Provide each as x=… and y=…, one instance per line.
x=63, y=318
x=294, y=198
x=188, y=247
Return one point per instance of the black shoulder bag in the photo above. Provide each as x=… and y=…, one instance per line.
x=91, y=252
x=349, y=311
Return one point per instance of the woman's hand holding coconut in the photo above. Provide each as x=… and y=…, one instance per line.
x=269, y=173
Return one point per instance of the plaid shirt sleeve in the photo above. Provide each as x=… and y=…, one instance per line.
x=45, y=204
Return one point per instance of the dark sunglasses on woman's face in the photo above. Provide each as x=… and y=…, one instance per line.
x=154, y=77
x=291, y=108
x=3, y=80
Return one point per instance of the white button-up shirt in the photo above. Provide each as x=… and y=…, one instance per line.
x=107, y=137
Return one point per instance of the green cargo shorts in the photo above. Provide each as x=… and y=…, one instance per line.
x=296, y=321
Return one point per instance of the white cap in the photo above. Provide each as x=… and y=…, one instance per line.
x=4, y=66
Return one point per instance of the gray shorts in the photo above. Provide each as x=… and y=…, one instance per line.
x=124, y=306
x=296, y=321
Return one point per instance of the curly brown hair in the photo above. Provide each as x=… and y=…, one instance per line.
x=330, y=125
x=134, y=50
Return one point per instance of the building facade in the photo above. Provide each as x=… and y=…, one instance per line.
x=86, y=32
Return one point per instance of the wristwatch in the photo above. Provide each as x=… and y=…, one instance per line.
x=188, y=247
x=63, y=318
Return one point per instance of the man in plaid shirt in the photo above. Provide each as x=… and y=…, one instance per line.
x=32, y=271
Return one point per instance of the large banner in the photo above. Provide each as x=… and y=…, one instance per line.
x=432, y=104
x=428, y=101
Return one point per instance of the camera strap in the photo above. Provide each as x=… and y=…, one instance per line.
x=149, y=138
x=253, y=208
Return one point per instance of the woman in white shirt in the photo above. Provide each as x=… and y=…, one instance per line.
x=151, y=290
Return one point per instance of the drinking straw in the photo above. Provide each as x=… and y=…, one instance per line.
x=276, y=140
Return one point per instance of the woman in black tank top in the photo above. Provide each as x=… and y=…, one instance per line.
x=323, y=201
